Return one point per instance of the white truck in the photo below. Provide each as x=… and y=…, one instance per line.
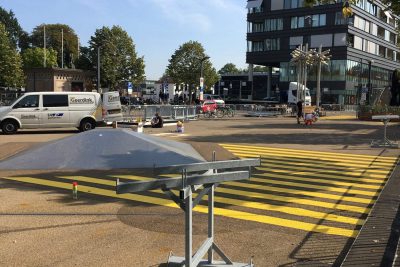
x=292, y=94
x=83, y=110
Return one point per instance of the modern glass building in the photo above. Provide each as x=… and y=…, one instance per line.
x=363, y=47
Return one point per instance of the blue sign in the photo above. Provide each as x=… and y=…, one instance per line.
x=130, y=86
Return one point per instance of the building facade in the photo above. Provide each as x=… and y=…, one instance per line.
x=363, y=47
x=58, y=80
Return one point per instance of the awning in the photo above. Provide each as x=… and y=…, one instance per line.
x=387, y=13
x=254, y=3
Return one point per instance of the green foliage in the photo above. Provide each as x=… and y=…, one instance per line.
x=53, y=40
x=11, y=74
x=118, y=59
x=15, y=33
x=34, y=57
x=84, y=62
x=228, y=68
x=185, y=66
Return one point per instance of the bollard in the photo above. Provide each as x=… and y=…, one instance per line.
x=139, y=126
x=75, y=190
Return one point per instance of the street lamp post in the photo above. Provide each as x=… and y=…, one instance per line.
x=369, y=79
x=98, y=69
x=201, y=76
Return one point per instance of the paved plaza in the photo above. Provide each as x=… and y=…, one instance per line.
x=304, y=205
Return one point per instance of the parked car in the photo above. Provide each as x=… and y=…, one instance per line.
x=216, y=98
x=271, y=100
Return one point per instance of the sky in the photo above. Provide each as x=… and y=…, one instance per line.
x=157, y=27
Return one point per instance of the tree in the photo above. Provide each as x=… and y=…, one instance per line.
x=185, y=66
x=17, y=36
x=260, y=69
x=118, y=59
x=228, y=68
x=34, y=57
x=53, y=40
x=84, y=61
x=11, y=74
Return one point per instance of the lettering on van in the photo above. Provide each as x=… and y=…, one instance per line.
x=84, y=101
x=28, y=117
x=55, y=115
x=113, y=98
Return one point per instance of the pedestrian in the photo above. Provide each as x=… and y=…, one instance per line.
x=157, y=121
x=299, y=111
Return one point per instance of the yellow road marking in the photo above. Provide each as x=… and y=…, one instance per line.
x=315, y=153
x=336, y=159
x=294, y=163
x=312, y=186
x=296, y=200
x=315, y=173
x=302, y=192
x=236, y=202
x=199, y=208
x=323, y=181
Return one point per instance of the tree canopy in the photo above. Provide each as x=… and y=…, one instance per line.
x=228, y=68
x=34, y=57
x=11, y=74
x=185, y=66
x=17, y=36
x=118, y=58
x=53, y=40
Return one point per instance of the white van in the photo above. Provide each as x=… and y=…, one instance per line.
x=112, y=109
x=292, y=94
x=83, y=110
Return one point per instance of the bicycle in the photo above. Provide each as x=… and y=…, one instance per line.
x=225, y=111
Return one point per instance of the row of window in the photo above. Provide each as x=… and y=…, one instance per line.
x=373, y=48
x=340, y=70
x=316, y=20
x=374, y=29
x=266, y=45
x=266, y=26
x=49, y=101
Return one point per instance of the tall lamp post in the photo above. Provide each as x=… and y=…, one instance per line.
x=98, y=69
x=369, y=80
x=201, y=77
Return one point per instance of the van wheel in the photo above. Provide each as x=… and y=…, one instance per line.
x=86, y=125
x=9, y=127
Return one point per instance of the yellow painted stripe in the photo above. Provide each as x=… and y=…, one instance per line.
x=341, y=176
x=323, y=181
x=319, y=187
x=293, y=163
x=353, y=160
x=236, y=202
x=301, y=192
x=287, y=199
x=316, y=153
x=199, y=208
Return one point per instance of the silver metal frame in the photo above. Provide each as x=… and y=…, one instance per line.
x=385, y=142
x=188, y=184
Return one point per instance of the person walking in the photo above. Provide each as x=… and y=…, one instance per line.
x=299, y=111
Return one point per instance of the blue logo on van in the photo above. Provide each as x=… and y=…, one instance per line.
x=55, y=115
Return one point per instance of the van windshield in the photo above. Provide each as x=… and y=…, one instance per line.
x=216, y=97
x=15, y=100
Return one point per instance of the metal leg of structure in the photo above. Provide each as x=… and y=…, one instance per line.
x=208, y=247
x=385, y=142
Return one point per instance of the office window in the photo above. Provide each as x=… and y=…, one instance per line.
x=258, y=46
x=324, y=39
x=273, y=25
x=295, y=41
x=340, y=39
x=358, y=43
x=258, y=27
x=289, y=4
x=272, y=44
x=318, y=20
x=276, y=4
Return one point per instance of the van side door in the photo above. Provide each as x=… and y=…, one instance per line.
x=55, y=111
x=28, y=111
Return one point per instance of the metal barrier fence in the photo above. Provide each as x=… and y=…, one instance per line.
x=147, y=112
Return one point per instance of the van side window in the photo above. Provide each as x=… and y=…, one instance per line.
x=55, y=101
x=30, y=101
